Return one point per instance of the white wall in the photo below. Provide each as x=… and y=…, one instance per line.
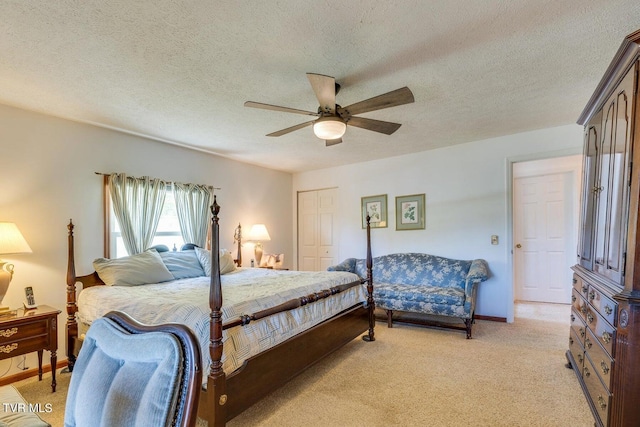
x=468, y=198
x=47, y=177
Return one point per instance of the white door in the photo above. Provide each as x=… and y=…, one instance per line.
x=316, y=236
x=327, y=248
x=542, y=227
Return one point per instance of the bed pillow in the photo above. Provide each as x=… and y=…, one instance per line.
x=138, y=269
x=183, y=264
x=226, y=261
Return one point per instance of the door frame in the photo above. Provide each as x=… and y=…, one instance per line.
x=509, y=204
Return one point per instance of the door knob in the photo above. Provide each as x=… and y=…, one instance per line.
x=518, y=246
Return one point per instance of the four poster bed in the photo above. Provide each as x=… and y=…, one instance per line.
x=315, y=317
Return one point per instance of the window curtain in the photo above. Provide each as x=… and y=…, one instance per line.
x=137, y=204
x=192, y=208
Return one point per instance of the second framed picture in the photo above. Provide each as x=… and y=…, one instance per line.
x=410, y=212
x=376, y=208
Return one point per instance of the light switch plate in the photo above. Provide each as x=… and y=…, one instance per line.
x=494, y=239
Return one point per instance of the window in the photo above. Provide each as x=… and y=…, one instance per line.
x=168, y=232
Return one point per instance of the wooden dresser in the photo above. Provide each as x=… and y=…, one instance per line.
x=604, y=338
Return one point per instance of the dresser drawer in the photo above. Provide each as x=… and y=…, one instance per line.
x=578, y=325
x=580, y=286
x=602, y=362
x=11, y=334
x=579, y=303
x=607, y=307
x=603, y=331
x=599, y=394
x=576, y=349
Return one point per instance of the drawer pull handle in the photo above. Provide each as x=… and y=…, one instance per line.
x=587, y=343
x=602, y=403
x=584, y=289
x=605, y=368
x=592, y=295
x=6, y=333
x=583, y=309
x=575, y=280
x=573, y=298
x=606, y=337
x=570, y=340
x=8, y=348
x=586, y=372
x=590, y=317
x=581, y=333
x=608, y=310
x=573, y=318
x=580, y=358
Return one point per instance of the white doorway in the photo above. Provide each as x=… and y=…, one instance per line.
x=545, y=219
x=317, y=246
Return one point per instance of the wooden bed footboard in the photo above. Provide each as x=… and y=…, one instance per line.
x=225, y=397
x=281, y=363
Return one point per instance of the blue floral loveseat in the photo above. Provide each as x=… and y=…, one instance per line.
x=422, y=283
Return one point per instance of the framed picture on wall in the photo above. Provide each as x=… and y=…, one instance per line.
x=376, y=208
x=410, y=212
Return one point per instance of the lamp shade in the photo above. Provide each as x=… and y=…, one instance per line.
x=258, y=233
x=329, y=128
x=11, y=240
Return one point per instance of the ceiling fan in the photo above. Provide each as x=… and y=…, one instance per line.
x=333, y=119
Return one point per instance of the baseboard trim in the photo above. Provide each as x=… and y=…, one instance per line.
x=30, y=373
x=491, y=318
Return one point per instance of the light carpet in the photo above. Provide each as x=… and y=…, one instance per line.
x=507, y=375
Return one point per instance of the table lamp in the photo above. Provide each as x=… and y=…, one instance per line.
x=258, y=234
x=11, y=242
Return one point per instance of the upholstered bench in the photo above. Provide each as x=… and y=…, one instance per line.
x=423, y=283
x=16, y=412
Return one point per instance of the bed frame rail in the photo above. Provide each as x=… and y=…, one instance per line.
x=289, y=305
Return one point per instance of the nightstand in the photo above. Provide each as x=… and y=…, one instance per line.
x=28, y=331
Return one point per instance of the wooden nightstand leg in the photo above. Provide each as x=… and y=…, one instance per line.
x=39, y=365
x=54, y=362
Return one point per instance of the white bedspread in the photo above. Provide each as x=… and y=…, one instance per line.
x=245, y=291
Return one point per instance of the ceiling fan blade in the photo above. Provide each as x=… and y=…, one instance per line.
x=330, y=142
x=375, y=125
x=325, y=89
x=291, y=129
x=390, y=99
x=277, y=108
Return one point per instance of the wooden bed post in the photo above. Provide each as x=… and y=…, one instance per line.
x=370, y=302
x=72, y=308
x=216, y=384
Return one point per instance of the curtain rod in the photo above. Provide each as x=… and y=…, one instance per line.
x=210, y=186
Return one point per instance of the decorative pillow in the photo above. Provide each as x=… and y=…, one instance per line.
x=272, y=260
x=226, y=261
x=139, y=269
x=183, y=264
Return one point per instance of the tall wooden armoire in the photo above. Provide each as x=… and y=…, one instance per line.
x=604, y=342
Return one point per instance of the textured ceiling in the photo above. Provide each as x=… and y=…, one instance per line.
x=180, y=71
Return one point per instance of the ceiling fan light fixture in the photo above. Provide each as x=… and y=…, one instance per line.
x=329, y=128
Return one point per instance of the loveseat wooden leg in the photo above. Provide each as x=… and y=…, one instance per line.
x=389, y=318
x=468, y=323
